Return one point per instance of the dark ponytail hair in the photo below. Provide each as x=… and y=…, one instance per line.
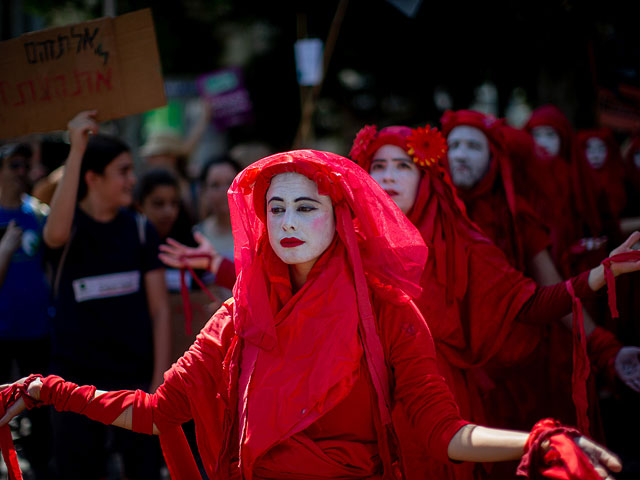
x=101, y=151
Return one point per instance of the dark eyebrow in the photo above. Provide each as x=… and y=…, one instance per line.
x=299, y=199
x=402, y=159
x=306, y=198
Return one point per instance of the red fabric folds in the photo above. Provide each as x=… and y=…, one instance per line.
x=603, y=348
x=608, y=179
x=7, y=397
x=610, y=278
x=581, y=368
x=561, y=459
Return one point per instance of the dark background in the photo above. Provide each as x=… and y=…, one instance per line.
x=558, y=51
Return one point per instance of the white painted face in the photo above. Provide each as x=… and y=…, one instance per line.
x=596, y=152
x=469, y=155
x=300, y=221
x=547, y=138
x=394, y=170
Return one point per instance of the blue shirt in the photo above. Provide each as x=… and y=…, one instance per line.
x=24, y=295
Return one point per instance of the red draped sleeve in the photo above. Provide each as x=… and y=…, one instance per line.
x=418, y=384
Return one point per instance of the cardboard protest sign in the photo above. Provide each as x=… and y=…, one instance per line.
x=230, y=101
x=109, y=64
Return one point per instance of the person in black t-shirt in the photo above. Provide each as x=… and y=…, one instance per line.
x=111, y=324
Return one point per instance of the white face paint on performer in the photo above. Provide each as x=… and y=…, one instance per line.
x=547, y=138
x=300, y=221
x=394, y=170
x=596, y=152
x=469, y=155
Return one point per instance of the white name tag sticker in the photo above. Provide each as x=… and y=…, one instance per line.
x=106, y=286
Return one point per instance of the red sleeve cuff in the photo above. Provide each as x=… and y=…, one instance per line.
x=581, y=286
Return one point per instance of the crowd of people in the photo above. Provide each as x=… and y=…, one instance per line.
x=408, y=312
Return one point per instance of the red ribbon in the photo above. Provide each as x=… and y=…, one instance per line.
x=581, y=368
x=184, y=291
x=611, y=279
x=8, y=397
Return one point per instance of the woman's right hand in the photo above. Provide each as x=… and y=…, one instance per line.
x=80, y=126
x=203, y=257
x=18, y=406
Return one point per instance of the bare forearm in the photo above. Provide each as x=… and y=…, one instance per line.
x=473, y=443
x=596, y=278
x=58, y=227
x=125, y=420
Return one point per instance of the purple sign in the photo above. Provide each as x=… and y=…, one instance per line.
x=230, y=101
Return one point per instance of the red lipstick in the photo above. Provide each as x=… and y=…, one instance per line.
x=290, y=242
x=391, y=192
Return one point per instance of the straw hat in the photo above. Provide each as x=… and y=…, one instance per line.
x=163, y=142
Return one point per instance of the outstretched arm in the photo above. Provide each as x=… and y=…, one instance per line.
x=474, y=443
x=124, y=420
x=58, y=227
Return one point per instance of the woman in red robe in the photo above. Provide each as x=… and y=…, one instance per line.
x=479, y=308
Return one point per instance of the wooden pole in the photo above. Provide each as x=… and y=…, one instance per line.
x=308, y=100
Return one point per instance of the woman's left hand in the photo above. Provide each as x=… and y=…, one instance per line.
x=627, y=365
x=602, y=459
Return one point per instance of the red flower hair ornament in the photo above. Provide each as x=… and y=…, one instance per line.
x=425, y=145
x=363, y=140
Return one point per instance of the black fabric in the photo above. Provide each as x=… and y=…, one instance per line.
x=106, y=342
